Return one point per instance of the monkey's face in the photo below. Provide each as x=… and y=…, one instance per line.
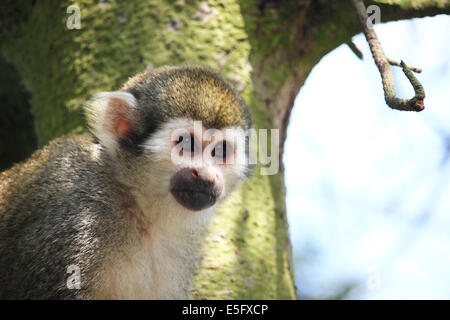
x=162, y=153
x=199, y=165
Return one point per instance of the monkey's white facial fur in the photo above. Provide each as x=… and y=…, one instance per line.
x=179, y=166
x=199, y=166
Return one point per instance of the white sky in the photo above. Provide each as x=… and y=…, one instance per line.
x=368, y=192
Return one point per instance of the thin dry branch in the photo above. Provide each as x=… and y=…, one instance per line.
x=384, y=66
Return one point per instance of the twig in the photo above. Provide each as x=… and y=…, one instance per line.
x=398, y=64
x=383, y=63
x=355, y=49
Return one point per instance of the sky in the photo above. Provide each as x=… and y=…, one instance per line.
x=368, y=187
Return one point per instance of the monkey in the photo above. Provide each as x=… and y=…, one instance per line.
x=120, y=214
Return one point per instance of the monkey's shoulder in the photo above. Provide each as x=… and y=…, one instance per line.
x=52, y=212
x=65, y=181
x=58, y=148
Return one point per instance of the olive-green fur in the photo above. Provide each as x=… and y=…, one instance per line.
x=189, y=91
x=53, y=216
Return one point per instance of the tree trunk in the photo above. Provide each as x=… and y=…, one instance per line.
x=265, y=48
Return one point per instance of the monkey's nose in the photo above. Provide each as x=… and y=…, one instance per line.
x=196, y=188
x=207, y=174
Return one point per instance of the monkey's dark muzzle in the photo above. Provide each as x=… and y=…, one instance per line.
x=193, y=192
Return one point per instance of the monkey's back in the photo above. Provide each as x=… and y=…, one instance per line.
x=52, y=217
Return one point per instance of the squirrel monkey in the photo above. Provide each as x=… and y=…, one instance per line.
x=121, y=216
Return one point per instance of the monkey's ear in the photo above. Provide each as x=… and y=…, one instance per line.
x=111, y=117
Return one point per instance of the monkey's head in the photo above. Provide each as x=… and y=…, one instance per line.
x=175, y=135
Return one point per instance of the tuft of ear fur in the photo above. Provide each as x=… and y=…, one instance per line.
x=111, y=118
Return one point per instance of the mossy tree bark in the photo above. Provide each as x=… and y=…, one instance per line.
x=265, y=48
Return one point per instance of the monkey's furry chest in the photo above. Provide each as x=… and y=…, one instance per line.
x=156, y=266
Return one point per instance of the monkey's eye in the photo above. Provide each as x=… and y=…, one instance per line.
x=186, y=142
x=220, y=150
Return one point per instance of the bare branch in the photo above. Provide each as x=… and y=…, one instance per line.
x=383, y=63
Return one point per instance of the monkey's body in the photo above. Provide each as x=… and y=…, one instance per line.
x=109, y=241
x=51, y=224
x=120, y=210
